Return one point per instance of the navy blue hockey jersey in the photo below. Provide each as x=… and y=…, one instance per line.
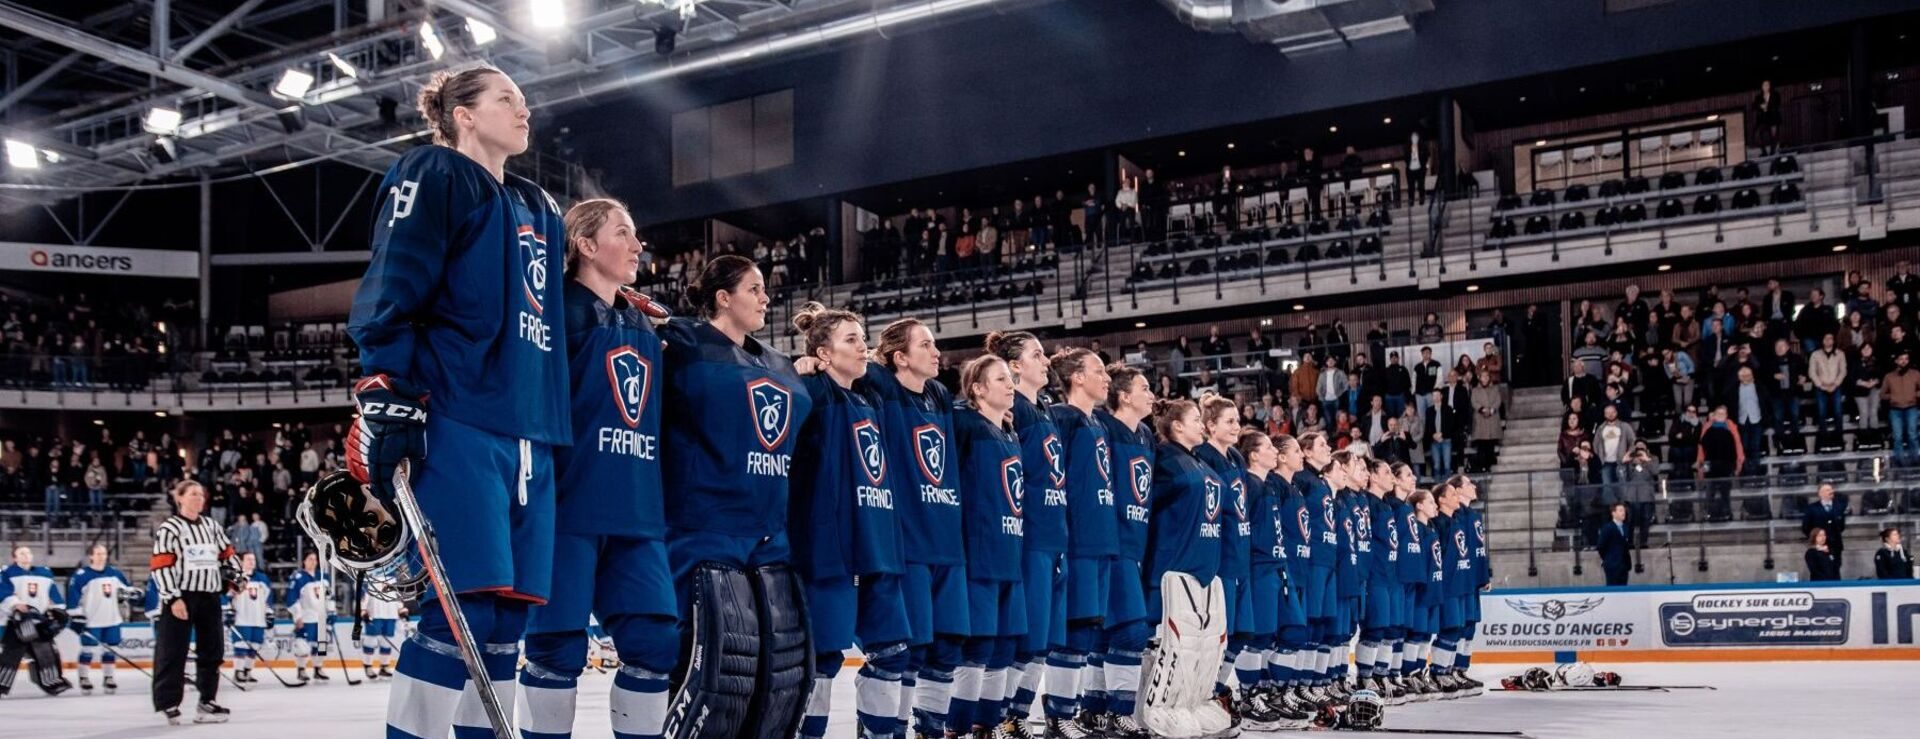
x=841, y=520
x=1356, y=543
x=1132, y=476
x=1413, y=566
x=1236, y=537
x=1185, y=535
x=732, y=414
x=1043, y=452
x=1092, y=524
x=993, y=495
x=919, y=434
x=463, y=295
x=1384, y=565
x=609, y=480
x=1266, y=496
x=1317, y=500
x=1298, y=528
x=1477, y=543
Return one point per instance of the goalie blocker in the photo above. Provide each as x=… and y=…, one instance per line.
x=747, y=665
x=29, y=635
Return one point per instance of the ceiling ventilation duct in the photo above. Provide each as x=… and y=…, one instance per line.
x=1296, y=26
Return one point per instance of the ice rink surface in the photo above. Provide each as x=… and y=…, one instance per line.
x=1782, y=699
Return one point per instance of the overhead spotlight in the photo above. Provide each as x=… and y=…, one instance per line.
x=343, y=66
x=430, y=39
x=292, y=119
x=1299, y=306
x=1139, y=324
x=1386, y=121
x=1229, y=144
x=663, y=41
x=482, y=33
x=549, y=14
x=1182, y=152
x=1836, y=247
x=1542, y=142
x=1523, y=98
x=162, y=121
x=293, y=84
x=1713, y=117
x=1473, y=288
x=52, y=157
x=1664, y=267
x=160, y=414
x=99, y=422
x=1333, y=129
x=22, y=155
x=164, y=150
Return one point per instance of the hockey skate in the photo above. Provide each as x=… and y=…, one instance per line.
x=1066, y=728
x=319, y=674
x=384, y=672
x=108, y=686
x=371, y=675
x=1116, y=726
x=173, y=716
x=86, y=685
x=211, y=713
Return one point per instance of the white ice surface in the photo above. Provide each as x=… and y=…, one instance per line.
x=1786, y=699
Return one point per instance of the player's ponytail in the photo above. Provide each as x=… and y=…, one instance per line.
x=816, y=324
x=1007, y=345
x=449, y=89
x=584, y=220
x=894, y=339
x=1065, y=363
x=1167, y=412
x=722, y=274
x=1250, y=441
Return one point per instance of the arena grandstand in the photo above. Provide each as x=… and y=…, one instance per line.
x=1658, y=253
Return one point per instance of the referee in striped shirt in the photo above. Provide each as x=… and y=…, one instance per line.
x=189, y=550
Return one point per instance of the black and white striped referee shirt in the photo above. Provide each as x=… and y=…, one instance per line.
x=187, y=556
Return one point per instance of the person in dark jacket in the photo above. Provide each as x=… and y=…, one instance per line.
x=1616, y=547
x=1892, y=562
x=1398, y=386
x=1828, y=513
x=1683, y=438
x=1823, y=564
x=1721, y=455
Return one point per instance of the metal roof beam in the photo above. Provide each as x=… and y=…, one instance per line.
x=214, y=31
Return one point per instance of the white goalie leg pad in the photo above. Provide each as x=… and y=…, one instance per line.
x=1180, y=669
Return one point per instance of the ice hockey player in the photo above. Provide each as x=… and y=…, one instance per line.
x=1092, y=528
x=1128, y=418
x=251, y=608
x=1043, y=455
x=994, y=505
x=310, y=605
x=27, y=595
x=93, y=598
x=1184, y=595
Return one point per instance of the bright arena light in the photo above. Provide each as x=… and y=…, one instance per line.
x=482, y=33
x=342, y=65
x=293, y=84
x=430, y=39
x=22, y=155
x=549, y=14
x=163, y=121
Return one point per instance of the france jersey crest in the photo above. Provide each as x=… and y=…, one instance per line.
x=1460, y=542
x=1326, y=511
x=1480, y=531
x=1213, y=498
x=1142, y=479
x=1056, y=460
x=631, y=376
x=1239, y=498
x=772, y=406
x=533, y=271
x=932, y=447
x=1105, y=457
x=866, y=438
x=1306, y=530
x=1013, y=484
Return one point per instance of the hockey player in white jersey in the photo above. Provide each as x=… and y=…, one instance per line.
x=380, y=634
x=310, y=605
x=251, y=607
x=93, y=598
x=28, y=618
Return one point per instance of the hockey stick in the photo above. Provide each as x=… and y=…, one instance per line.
x=1449, y=732
x=255, y=648
x=449, y=605
x=130, y=663
x=1586, y=689
x=333, y=631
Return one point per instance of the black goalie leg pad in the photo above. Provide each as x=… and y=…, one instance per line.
x=11, y=652
x=786, y=657
x=720, y=656
x=46, y=667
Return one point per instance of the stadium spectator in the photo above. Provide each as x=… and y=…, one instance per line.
x=1537, y=349
x=1683, y=438
x=1332, y=390
x=1766, y=119
x=1394, y=445
x=1338, y=346
x=1260, y=352
x=1891, y=562
x=1576, y=465
x=1581, y=384
x=1486, y=422
x=1377, y=338
x=1426, y=378
x=1827, y=370
x=1904, y=286
x=1823, y=564
x=1590, y=352
x=1398, y=385
x=1789, y=370
x=1441, y=427
x=1613, y=443
x=1639, y=477
x=1827, y=512
x=1430, y=329
x=1616, y=546
x=1864, y=375
x=1901, y=389
x=1374, y=422
x=1305, y=381
x=1750, y=400
x=1215, y=349
x=1721, y=456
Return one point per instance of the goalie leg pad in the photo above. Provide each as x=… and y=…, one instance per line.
x=785, y=657
x=11, y=652
x=46, y=666
x=715, y=681
x=1180, y=669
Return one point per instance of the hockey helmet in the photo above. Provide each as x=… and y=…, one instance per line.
x=1536, y=678
x=356, y=530
x=1606, y=679
x=1365, y=711
x=1574, y=674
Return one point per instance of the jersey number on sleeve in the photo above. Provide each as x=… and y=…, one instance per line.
x=402, y=200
